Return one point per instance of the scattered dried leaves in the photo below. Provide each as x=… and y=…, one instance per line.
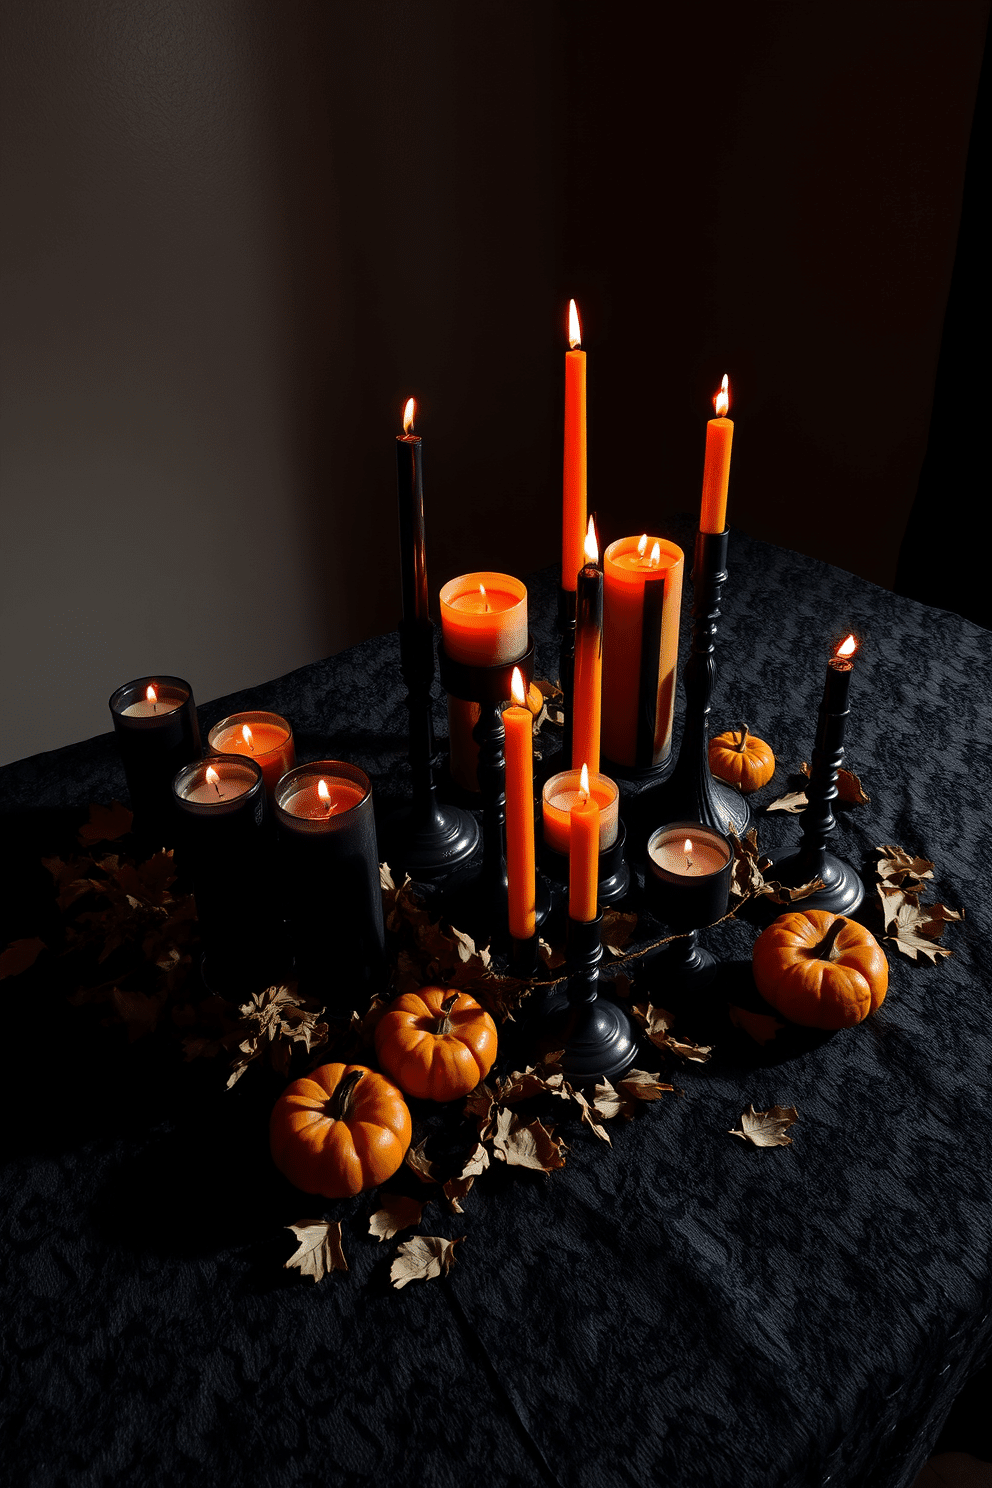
x=105, y=824
x=767, y=1128
x=747, y=876
x=20, y=955
x=526, y=1144
x=913, y=928
x=320, y=1249
x=397, y=1213
x=849, y=789
x=274, y=1021
x=418, y=1162
x=656, y=1023
x=423, y=1257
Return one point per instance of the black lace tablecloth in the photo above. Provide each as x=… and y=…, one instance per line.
x=677, y=1308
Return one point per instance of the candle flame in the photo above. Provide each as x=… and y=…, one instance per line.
x=151, y=696
x=408, y=413
x=655, y=558
x=482, y=591
x=324, y=793
x=687, y=848
x=584, y=783
x=591, y=545
x=847, y=648
x=247, y=736
x=517, y=689
x=642, y=546
x=212, y=777
x=574, y=329
x=722, y=400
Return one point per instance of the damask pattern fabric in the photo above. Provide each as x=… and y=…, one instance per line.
x=676, y=1308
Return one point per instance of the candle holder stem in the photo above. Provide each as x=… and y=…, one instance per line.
x=426, y=838
x=596, y=1037
x=691, y=792
x=490, y=736
x=566, y=668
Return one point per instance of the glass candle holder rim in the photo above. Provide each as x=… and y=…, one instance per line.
x=708, y=836
x=469, y=582
x=315, y=770
x=250, y=716
x=136, y=692
x=240, y=763
x=573, y=778
x=622, y=545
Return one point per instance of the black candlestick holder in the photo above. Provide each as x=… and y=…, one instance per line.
x=596, y=1036
x=842, y=890
x=614, y=873
x=691, y=792
x=566, y=667
x=427, y=839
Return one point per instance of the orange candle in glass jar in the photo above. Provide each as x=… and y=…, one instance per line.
x=716, y=465
x=642, y=603
x=561, y=793
x=484, y=619
x=573, y=517
x=518, y=721
x=264, y=737
x=583, y=854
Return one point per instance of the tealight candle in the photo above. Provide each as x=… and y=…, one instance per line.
x=560, y=794
x=264, y=737
x=689, y=874
x=642, y=602
x=157, y=732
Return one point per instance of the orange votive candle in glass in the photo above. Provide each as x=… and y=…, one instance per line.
x=518, y=721
x=573, y=517
x=716, y=466
x=587, y=690
x=642, y=603
x=264, y=737
x=484, y=619
x=583, y=854
x=559, y=796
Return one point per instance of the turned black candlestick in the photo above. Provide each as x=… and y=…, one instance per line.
x=842, y=890
x=596, y=1037
x=566, y=666
x=691, y=792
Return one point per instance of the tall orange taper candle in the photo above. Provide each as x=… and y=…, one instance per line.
x=716, y=467
x=583, y=854
x=587, y=694
x=573, y=519
x=518, y=721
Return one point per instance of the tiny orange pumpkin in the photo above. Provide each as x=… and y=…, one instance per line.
x=820, y=970
x=742, y=759
x=339, y=1130
x=436, y=1044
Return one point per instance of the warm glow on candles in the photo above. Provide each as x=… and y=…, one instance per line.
x=324, y=794
x=213, y=778
x=408, y=413
x=655, y=558
x=246, y=734
x=716, y=464
x=847, y=648
x=721, y=400
x=642, y=546
x=583, y=853
x=590, y=547
x=151, y=696
x=518, y=691
x=687, y=849
x=574, y=329
x=584, y=783
x=521, y=879
x=485, y=602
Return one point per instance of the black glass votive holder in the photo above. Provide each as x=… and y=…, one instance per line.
x=223, y=848
x=157, y=732
x=687, y=885
x=328, y=862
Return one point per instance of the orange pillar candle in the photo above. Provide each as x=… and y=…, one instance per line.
x=484, y=619
x=264, y=737
x=518, y=721
x=642, y=603
x=573, y=522
x=583, y=854
x=559, y=796
x=716, y=466
x=587, y=693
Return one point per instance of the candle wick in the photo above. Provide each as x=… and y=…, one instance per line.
x=217, y=786
x=688, y=862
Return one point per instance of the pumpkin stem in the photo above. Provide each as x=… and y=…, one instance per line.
x=442, y=1024
x=826, y=951
x=340, y=1100
x=743, y=744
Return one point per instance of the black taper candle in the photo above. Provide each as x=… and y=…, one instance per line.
x=588, y=681
x=410, y=497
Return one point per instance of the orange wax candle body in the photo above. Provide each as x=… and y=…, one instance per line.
x=483, y=623
x=716, y=465
x=520, y=864
x=268, y=741
x=561, y=793
x=641, y=607
x=587, y=693
x=573, y=522
x=583, y=859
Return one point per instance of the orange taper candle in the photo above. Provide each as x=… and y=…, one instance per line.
x=716, y=467
x=518, y=721
x=573, y=520
x=587, y=694
x=583, y=854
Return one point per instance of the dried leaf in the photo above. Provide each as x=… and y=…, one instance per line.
x=617, y=930
x=418, y=1162
x=606, y=1101
x=534, y=1080
x=639, y=1085
x=796, y=800
x=767, y=1128
x=656, y=1022
x=786, y=894
x=760, y=1026
x=386, y=878
x=397, y=1213
x=849, y=787
x=916, y=928
x=319, y=1250
x=552, y=956
x=19, y=955
x=106, y=824
x=423, y=1257
x=526, y=1146
x=900, y=868
x=587, y=1116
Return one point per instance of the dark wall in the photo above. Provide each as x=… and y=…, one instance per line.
x=240, y=234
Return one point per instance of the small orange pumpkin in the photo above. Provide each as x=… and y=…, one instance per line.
x=820, y=970
x=436, y=1044
x=742, y=759
x=339, y=1130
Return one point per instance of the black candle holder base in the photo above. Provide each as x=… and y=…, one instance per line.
x=842, y=891
x=432, y=849
x=639, y=775
x=683, y=966
x=595, y=1036
x=732, y=807
x=614, y=881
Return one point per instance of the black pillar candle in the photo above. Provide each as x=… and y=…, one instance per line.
x=410, y=498
x=329, y=874
x=157, y=733
x=587, y=711
x=222, y=846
